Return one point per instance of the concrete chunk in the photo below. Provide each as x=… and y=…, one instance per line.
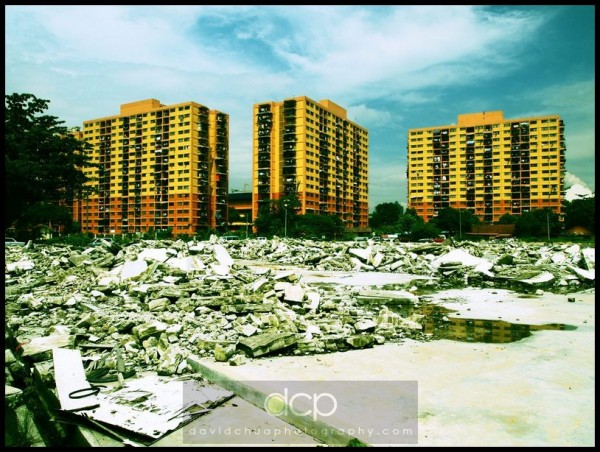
x=223, y=352
x=360, y=340
x=222, y=255
x=133, y=269
x=294, y=293
x=266, y=343
x=140, y=332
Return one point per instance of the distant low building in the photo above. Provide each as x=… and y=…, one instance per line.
x=492, y=230
x=581, y=231
x=242, y=203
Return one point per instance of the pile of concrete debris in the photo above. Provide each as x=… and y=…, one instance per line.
x=157, y=302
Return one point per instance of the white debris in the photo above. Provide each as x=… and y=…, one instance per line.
x=362, y=253
x=588, y=274
x=589, y=255
x=155, y=254
x=187, y=264
x=377, y=259
x=559, y=258
x=20, y=265
x=133, y=269
x=539, y=279
x=258, y=284
x=460, y=257
x=364, y=325
x=313, y=299
x=220, y=269
x=294, y=293
x=248, y=329
x=222, y=255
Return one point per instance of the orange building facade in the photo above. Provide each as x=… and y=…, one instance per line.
x=488, y=165
x=158, y=167
x=310, y=148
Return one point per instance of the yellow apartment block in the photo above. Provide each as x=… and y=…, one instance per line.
x=488, y=165
x=311, y=149
x=158, y=167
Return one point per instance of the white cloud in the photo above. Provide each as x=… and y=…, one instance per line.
x=344, y=48
x=345, y=53
x=153, y=36
x=363, y=115
x=571, y=179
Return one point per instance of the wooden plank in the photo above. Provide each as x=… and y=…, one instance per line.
x=69, y=376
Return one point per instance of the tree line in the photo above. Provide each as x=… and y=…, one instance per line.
x=390, y=217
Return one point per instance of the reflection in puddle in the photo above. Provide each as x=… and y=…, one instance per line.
x=437, y=323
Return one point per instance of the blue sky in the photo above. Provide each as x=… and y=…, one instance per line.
x=392, y=67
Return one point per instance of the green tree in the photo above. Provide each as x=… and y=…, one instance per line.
x=286, y=209
x=508, y=218
x=386, y=214
x=423, y=231
x=454, y=220
x=536, y=223
x=43, y=161
x=412, y=212
x=309, y=225
x=278, y=217
x=266, y=223
x=581, y=212
x=407, y=222
x=42, y=213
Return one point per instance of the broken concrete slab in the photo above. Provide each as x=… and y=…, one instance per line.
x=151, y=328
x=39, y=348
x=266, y=343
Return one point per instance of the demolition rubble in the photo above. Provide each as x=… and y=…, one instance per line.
x=161, y=300
x=149, y=305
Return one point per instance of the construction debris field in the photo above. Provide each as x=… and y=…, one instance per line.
x=498, y=336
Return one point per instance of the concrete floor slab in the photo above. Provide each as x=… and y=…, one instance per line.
x=538, y=391
x=237, y=423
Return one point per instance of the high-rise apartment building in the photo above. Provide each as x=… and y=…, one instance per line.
x=311, y=149
x=158, y=167
x=488, y=165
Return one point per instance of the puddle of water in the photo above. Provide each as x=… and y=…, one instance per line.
x=439, y=325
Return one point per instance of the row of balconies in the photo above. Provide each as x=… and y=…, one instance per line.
x=264, y=118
